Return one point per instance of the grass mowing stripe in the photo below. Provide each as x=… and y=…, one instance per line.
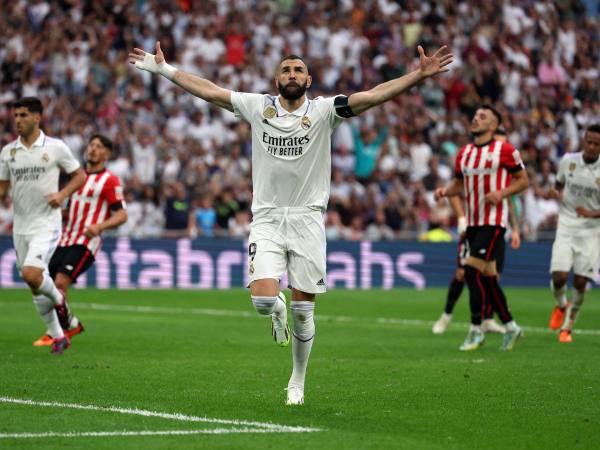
x=271, y=427
x=321, y=317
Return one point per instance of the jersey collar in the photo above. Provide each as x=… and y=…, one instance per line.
x=300, y=112
x=584, y=164
x=39, y=142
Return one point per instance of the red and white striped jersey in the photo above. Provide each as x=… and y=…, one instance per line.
x=90, y=205
x=485, y=169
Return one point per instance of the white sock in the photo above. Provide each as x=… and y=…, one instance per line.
x=475, y=328
x=512, y=326
x=560, y=295
x=48, y=288
x=48, y=314
x=578, y=298
x=266, y=306
x=304, y=333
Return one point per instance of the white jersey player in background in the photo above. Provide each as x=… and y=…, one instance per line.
x=291, y=173
x=31, y=166
x=577, y=242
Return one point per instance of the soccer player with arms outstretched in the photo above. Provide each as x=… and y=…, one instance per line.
x=291, y=173
x=31, y=166
x=489, y=171
x=577, y=243
x=97, y=206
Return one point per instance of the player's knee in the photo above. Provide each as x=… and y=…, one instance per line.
x=559, y=279
x=580, y=283
x=32, y=276
x=304, y=323
x=264, y=305
x=460, y=275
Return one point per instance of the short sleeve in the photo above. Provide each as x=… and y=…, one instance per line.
x=66, y=160
x=561, y=175
x=510, y=158
x=327, y=106
x=246, y=105
x=458, y=173
x=113, y=192
x=4, y=171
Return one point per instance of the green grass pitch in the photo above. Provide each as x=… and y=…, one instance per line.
x=378, y=378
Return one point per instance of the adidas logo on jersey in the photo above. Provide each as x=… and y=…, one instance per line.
x=320, y=282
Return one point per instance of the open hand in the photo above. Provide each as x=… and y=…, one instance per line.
x=147, y=61
x=437, y=63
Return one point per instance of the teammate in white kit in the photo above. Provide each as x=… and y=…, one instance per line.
x=291, y=172
x=31, y=165
x=577, y=242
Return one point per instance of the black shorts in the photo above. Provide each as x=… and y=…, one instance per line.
x=463, y=253
x=487, y=243
x=72, y=261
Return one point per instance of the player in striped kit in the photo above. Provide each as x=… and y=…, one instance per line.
x=97, y=206
x=291, y=175
x=489, y=171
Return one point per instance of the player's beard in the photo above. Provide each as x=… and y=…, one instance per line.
x=293, y=92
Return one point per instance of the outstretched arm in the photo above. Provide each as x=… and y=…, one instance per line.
x=199, y=87
x=429, y=66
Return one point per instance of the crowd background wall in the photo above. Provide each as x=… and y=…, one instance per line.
x=185, y=165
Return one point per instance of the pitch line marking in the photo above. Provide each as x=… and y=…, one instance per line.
x=215, y=431
x=321, y=317
x=246, y=426
x=336, y=319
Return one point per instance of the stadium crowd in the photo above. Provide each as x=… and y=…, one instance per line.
x=186, y=166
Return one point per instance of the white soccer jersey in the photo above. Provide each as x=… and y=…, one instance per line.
x=291, y=152
x=33, y=174
x=582, y=188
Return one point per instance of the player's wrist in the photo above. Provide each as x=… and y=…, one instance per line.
x=461, y=225
x=167, y=70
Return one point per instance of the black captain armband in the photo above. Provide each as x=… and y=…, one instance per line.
x=342, y=109
x=116, y=206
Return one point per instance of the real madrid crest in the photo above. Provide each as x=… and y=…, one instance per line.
x=269, y=112
x=13, y=153
x=305, y=123
x=45, y=157
x=572, y=167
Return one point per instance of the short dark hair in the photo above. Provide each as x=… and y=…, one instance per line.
x=33, y=104
x=494, y=111
x=292, y=56
x=105, y=141
x=595, y=128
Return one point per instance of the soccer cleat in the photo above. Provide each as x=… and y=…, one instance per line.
x=279, y=326
x=565, y=336
x=491, y=326
x=59, y=345
x=510, y=339
x=74, y=330
x=440, y=326
x=63, y=312
x=474, y=340
x=295, y=395
x=45, y=340
x=558, y=316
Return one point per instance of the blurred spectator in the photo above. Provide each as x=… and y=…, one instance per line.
x=536, y=61
x=203, y=218
x=177, y=210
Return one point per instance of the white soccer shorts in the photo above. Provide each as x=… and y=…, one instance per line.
x=291, y=239
x=35, y=250
x=580, y=253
